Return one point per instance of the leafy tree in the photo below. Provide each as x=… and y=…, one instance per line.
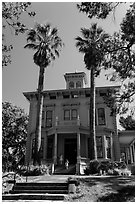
x=121, y=49
x=127, y=123
x=14, y=134
x=11, y=19
x=91, y=45
x=48, y=44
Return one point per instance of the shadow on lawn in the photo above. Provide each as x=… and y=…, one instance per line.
x=112, y=182
x=126, y=194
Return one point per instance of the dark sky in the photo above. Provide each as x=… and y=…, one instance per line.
x=22, y=74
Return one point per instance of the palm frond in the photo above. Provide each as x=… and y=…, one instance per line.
x=31, y=46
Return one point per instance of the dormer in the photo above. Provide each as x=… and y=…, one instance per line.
x=75, y=80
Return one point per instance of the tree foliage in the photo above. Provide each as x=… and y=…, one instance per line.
x=11, y=20
x=127, y=123
x=120, y=58
x=14, y=134
x=45, y=41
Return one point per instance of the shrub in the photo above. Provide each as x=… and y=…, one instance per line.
x=108, y=166
x=33, y=170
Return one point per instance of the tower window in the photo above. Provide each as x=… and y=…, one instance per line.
x=71, y=85
x=78, y=84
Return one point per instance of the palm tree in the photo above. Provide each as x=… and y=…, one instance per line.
x=92, y=44
x=48, y=44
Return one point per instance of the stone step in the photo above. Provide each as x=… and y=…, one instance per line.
x=41, y=184
x=46, y=187
x=40, y=191
x=10, y=197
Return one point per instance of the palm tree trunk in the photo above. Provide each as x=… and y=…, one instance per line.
x=39, y=118
x=93, y=148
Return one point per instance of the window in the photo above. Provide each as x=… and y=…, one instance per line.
x=101, y=116
x=108, y=146
x=52, y=97
x=71, y=85
x=66, y=114
x=70, y=114
x=78, y=84
x=66, y=96
x=49, y=118
x=74, y=114
x=99, y=147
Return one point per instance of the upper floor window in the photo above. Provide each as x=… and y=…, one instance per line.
x=78, y=84
x=70, y=114
x=66, y=114
x=71, y=85
x=101, y=116
x=74, y=114
x=49, y=118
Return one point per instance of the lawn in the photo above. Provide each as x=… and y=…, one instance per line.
x=105, y=189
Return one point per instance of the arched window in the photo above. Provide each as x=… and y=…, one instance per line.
x=71, y=84
x=78, y=84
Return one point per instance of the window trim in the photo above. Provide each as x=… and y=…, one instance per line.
x=48, y=118
x=100, y=146
x=70, y=118
x=104, y=124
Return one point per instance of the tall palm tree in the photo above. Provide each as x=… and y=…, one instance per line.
x=47, y=44
x=92, y=44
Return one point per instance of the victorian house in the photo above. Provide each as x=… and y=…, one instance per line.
x=65, y=124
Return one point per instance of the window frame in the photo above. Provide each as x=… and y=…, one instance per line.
x=78, y=83
x=99, y=147
x=68, y=117
x=104, y=115
x=49, y=120
x=72, y=117
x=70, y=87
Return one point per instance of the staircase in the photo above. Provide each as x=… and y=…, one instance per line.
x=37, y=191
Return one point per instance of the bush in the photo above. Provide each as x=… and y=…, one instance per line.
x=107, y=166
x=33, y=170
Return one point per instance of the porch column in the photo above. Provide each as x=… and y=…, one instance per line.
x=105, y=146
x=131, y=155
x=111, y=143
x=55, y=149
x=78, y=153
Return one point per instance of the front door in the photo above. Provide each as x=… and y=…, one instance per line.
x=70, y=150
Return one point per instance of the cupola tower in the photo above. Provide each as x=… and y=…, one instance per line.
x=75, y=80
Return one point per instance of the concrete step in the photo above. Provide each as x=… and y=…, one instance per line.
x=37, y=191
x=47, y=187
x=10, y=197
x=40, y=191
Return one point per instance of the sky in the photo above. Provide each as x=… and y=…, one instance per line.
x=22, y=74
